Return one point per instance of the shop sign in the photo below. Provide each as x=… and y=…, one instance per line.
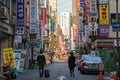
x=20, y=13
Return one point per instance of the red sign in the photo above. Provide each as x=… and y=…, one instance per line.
x=43, y=17
x=74, y=34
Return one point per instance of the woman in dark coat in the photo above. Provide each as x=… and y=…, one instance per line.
x=71, y=63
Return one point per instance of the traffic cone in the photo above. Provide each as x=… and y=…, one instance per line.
x=100, y=76
x=115, y=76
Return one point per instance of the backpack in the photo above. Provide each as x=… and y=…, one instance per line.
x=41, y=60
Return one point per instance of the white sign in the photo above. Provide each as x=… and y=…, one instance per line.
x=17, y=56
x=33, y=11
x=103, y=1
x=93, y=7
x=33, y=28
x=18, y=39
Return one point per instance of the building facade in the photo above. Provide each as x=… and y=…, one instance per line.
x=7, y=25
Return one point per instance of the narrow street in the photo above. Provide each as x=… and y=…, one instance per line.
x=57, y=69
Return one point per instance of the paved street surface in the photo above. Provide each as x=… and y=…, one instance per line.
x=57, y=69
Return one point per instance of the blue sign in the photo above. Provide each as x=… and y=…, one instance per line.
x=34, y=44
x=82, y=3
x=116, y=26
x=20, y=13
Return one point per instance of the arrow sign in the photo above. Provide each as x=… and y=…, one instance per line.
x=61, y=77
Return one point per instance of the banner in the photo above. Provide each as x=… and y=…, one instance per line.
x=9, y=57
x=103, y=12
x=28, y=12
x=43, y=18
x=87, y=12
x=33, y=11
x=74, y=34
x=17, y=53
x=93, y=7
x=20, y=13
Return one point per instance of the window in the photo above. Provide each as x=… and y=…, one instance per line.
x=5, y=3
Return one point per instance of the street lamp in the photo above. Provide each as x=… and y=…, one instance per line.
x=118, y=55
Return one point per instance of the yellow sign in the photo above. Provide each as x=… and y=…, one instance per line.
x=52, y=41
x=104, y=17
x=9, y=57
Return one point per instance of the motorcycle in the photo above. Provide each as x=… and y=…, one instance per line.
x=8, y=73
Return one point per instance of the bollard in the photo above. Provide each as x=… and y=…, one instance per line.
x=115, y=76
x=100, y=76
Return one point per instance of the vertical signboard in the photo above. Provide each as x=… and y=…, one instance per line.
x=52, y=41
x=33, y=11
x=74, y=34
x=104, y=19
x=86, y=33
x=93, y=7
x=103, y=14
x=20, y=13
x=87, y=11
x=43, y=17
x=28, y=12
x=33, y=16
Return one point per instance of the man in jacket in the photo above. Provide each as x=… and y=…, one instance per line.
x=41, y=62
x=71, y=64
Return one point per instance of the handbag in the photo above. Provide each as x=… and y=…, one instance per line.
x=46, y=72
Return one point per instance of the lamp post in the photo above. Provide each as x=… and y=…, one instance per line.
x=118, y=55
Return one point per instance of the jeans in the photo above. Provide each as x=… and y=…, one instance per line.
x=72, y=72
x=41, y=70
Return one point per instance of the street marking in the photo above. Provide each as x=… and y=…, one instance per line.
x=61, y=77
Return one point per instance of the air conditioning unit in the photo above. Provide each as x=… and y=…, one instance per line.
x=4, y=13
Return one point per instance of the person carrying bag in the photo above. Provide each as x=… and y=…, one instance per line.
x=41, y=61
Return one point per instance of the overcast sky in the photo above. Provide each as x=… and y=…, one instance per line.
x=64, y=5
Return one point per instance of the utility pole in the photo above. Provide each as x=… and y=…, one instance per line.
x=118, y=55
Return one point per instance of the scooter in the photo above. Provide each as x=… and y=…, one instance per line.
x=7, y=72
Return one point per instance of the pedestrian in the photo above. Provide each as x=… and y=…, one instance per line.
x=71, y=64
x=41, y=62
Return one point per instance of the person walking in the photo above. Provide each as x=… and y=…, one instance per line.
x=71, y=64
x=41, y=62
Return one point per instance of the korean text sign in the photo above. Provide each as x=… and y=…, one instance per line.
x=104, y=17
x=9, y=57
x=20, y=13
x=33, y=11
